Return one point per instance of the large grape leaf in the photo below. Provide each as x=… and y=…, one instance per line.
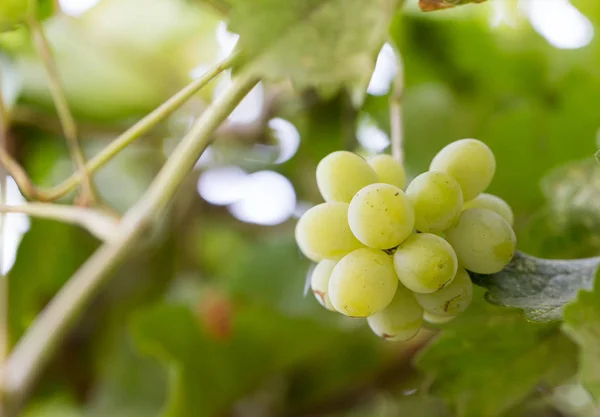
x=541, y=287
x=323, y=43
x=490, y=359
x=209, y=374
x=582, y=324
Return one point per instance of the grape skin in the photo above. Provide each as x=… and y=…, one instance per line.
x=319, y=282
x=450, y=300
x=483, y=241
x=470, y=162
x=437, y=199
x=381, y=216
x=323, y=232
x=400, y=320
x=493, y=203
x=433, y=319
x=362, y=283
x=341, y=174
x=388, y=170
x=425, y=263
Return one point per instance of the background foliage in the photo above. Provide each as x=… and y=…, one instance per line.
x=209, y=317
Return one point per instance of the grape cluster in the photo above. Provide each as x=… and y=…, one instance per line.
x=401, y=257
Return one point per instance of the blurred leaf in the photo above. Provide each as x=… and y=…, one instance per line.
x=433, y=5
x=12, y=12
x=323, y=43
x=489, y=359
x=207, y=374
x=541, y=287
x=56, y=406
x=49, y=254
x=582, y=324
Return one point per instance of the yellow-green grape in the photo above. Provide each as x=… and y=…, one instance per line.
x=363, y=283
x=381, y=216
x=12, y=12
x=470, y=162
x=450, y=300
x=388, y=170
x=483, y=241
x=425, y=263
x=433, y=319
x=437, y=199
x=341, y=174
x=319, y=282
x=400, y=320
x=323, y=232
x=494, y=203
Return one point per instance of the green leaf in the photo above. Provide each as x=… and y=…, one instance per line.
x=489, y=360
x=208, y=374
x=582, y=324
x=541, y=287
x=322, y=43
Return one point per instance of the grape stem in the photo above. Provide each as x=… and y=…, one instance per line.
x=396, y=114
x=69, y=127
x=50, y=327
x=136, y=131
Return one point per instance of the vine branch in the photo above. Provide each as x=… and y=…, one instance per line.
x=62, y=108
x=396, y=114
x=39, y=342
x=3, y=279
x=116, y=146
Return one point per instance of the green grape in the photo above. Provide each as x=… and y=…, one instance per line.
x=437, y=199
x=450, y=300
x=483, y=241
x=433, y=319
x=341, y=174
x=12, y=12
x=494, y=203
x=400, y=320
x=323, y=232
x=363, y=283
x=388, y=170
x=425, y=263
x=470, y=162
x=381, y=216
x=319, y=282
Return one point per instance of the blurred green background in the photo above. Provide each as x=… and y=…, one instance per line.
x=209, y=317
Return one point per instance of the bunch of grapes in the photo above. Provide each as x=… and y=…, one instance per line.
x=401, y=257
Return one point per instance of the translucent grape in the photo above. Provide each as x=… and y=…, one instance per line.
x=425, y=263
x=483, y=241
x=470, y=162
x=389, y=170
x=363, y=283
x=433, y=319
x=381, y=216
x=319, y=282
x=323, y=232
x=341, y=174
x=450, y=300
x=400, y=320
x=494, y=203
x=437, y=199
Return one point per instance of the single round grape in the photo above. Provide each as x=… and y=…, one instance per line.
x=400, y=320
x=341, y=174
x=450, y=300
x=494, y=203
x=389, y=170
x=470, y=162
x=381, y=216
x=323, y=232
x=319, y=282
x=425, y=263
x=363, y=283
x=437, y=199
x=483, y=241
x=433, y=319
